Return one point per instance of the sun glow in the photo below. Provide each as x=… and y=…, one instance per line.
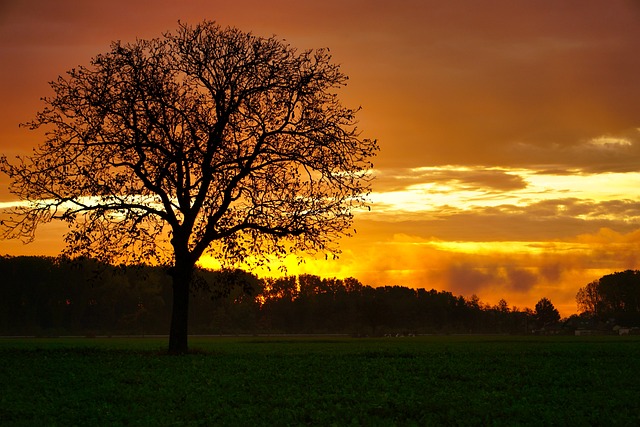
x=431, y=195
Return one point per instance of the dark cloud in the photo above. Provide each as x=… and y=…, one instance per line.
x=474, y=276
x=590, y=154
x=478, y=179
x=475, y=179
x=520, y=280
x=468, y=277
x=552, y=270
x=541, y=221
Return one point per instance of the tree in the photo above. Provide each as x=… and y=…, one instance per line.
x=209, y=139
x=588, y=298
x=614, y=296
x=545, y=313
x=503, y=306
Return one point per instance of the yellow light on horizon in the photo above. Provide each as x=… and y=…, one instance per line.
x=437, y=196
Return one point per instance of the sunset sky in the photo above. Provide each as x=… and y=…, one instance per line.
x=509, y=130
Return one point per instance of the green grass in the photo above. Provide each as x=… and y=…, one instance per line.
x=299, y=381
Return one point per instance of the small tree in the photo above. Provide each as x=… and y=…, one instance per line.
x=545, y=313
x=209, y=139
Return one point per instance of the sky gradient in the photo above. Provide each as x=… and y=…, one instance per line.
x=509, y=130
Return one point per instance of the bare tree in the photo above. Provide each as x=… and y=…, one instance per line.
x=588, y=298
x=209, y=139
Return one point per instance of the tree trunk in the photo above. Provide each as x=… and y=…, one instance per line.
x=178, y=334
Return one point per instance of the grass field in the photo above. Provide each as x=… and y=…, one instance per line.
x=299, y=381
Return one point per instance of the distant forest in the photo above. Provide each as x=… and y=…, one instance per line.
x=46, y=296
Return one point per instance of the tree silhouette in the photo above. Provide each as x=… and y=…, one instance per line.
x=588, y=298
x=546, y=313
x=614, y=296
x=57, y=296
x=209, y=139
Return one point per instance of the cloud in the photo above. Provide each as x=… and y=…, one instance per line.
x=473, y=178
x=450, y=178
x=441, y=189
x=521, y=280
x=590, y=154
x=466, y=276
x=545, y=220
x=608, y=142
x=520, y=272
x=605, y=236
x=510, y=95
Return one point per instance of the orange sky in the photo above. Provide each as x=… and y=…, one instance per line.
x=509, y=130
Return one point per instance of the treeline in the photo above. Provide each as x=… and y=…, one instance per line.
x=52, y=296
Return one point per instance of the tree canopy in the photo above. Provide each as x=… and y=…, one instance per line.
x=209, y=139
x=546, y=313
x=613, y=296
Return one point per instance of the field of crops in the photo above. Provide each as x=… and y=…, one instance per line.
x=322, y=381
